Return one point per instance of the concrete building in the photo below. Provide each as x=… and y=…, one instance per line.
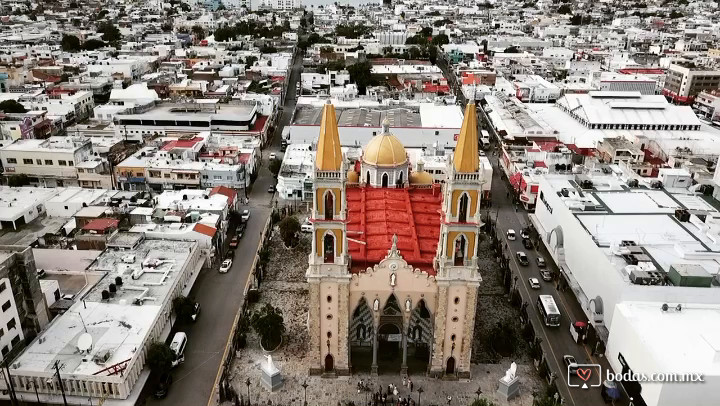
x=47, y=163
x=22, y=205
x=618, y=82
x=402, y=291
x=707, y=104
x=535, y=89
x=684, y=82
x=24, y=310
x=120, y=316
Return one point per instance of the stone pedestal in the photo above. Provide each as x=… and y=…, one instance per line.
x=508, y=389
x=270, y=377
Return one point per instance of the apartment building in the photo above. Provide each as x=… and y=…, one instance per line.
x=31, y=124
x=706, y=104
x=618, y=82
x=47, y=163
x=23, y=310
x=685, y=81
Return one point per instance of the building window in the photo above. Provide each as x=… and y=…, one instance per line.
x=217, y=177
x=62, y=163
x=166, y=176
x=11, y=324
x=11, y=160
x=27, y=161
x=2, y=332
x=2, y=287
x=48, y=162
x=15, y=340
x=80, y=170
x=5, y=350
x=71, y=163
x=6, y=306
x=38, y=161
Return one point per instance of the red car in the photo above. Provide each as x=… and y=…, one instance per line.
x=234, y=242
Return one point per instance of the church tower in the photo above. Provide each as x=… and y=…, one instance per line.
x=456, y=259
x=328, y=275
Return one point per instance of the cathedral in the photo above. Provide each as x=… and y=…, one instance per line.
x=392, y=272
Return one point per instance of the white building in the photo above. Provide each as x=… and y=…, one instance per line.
x=295, y=176
x=535, y=89
x=618, y=82
x=280, y=4
x=119, y=317
x=47, y=163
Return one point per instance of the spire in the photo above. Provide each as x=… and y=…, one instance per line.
x=466, y=159
x=329, y=155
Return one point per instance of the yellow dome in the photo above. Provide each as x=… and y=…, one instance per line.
x=385, y=150
x=421, y=178
x=353, y=176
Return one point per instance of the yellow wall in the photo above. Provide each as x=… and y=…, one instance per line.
x=469, y=237
x=134, y=170
x=320, y=233
x=473, y=202
x=320, y=199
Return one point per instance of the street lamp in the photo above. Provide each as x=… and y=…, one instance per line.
x=420, y=391
x=478, y=392
x=449, y=399
x=247, y=383
x=304, y=386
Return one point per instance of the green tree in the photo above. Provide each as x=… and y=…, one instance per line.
x=166, y=27
x=361, y=75
x=269, y=324
x=564, y=9
x=275, y=166
x=198, y=31
x=676, y=14
x=250, y=61
x=93, y=44
x=183, y=307
x=70, y=43
x=482, y=402
x=268, y=49
x=441, y=39
x=289, y=229
x=109, y=31
x=426, y=31
x=414, y=52
x=311, y=19
x=544, y=401
x=432, y=54
x=387, y=50
x=18, y=180
x=159, y=357
x=12, y=106
x=512, y=50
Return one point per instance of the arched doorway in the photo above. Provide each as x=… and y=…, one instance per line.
x=450, y=367
x=419, y=339
x=329, y=248
x=389, y=348
x=399, y=181
x=463, y=209
x=361, y=337
x=329, y=205
x=385, y=180
x=459, y=257
x=329, y=363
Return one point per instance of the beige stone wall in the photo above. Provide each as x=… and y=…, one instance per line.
x=314, y=325
x=438, y=362
x=342, y=334
x=469, y=327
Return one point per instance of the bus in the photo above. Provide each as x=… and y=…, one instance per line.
x=548, y=310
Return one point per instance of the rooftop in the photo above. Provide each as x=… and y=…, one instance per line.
x=16, y=201
x=52, y=144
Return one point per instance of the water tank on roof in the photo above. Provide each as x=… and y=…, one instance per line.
x=118, y=281
x=112, y=288
x=105, y=295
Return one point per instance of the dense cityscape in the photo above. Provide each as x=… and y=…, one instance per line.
x=358, y=203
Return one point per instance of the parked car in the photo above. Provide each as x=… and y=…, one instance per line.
x=225, y=266
x=196, y=311
x=306, y=228
x=534, y=283
x=240, y=230
x=273, y=156
x=571, y=364
x=510, y=234
x=523, y=258
x=546, y=275
x=271, y=189
x=525, y=233
x=163, y=385
x=245, y=216
x=40, y=273
x=527, y=243
x=234, y=242
x=540, y=262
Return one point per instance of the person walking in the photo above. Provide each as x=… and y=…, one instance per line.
x=404, y=381
x=410, y=384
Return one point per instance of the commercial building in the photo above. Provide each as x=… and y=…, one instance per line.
x=641, y=257
x=619, y=82
x=118, y=318
x=684, y=82
x=535, y=89
x=47, y=163
x=22, y=205
x=706, y=105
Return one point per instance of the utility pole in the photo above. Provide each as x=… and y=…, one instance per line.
x=62, y=389
x=9, y=382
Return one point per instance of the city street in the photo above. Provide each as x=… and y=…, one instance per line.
x=556, y=341
x=220, y=295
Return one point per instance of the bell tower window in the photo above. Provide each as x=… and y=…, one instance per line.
x=459, y=256
x=463, y=209
x=329, y=205
x=385, y=180
x=329, y=248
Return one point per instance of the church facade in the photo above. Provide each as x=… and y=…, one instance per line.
x=392, y=271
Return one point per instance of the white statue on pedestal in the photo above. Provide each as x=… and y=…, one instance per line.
x=510, y=373
x=270, y=365
x=376, y=305
x=408, y=305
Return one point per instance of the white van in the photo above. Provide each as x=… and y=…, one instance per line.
x=177, y=345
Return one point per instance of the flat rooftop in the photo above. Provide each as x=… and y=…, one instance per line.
x=423, y=115
x=119, y=325
x=241, y=111
x=52, y=144
x=16, y=201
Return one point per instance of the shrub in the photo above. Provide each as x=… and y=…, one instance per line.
x=269, y=324
x=289, y=229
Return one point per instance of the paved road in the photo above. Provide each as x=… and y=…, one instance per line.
x=220, y=295
x=557, y=341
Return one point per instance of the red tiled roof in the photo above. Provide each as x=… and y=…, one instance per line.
x=101, y=224
x=181, y=143
x=540, y=164
x=549, y=146
x=376, y=214
x=204, y=229
x=259, y=123
x=436, y=88
x=244, y=158
x=225, y=191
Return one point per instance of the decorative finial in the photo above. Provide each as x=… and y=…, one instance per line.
x=394, y=242
x=386, y=126
x=328, y=101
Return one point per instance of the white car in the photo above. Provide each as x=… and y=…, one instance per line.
x=245, y=216
x=273, y=156
x=511, y=234
x=306, y=228
x=225, y=266
x=534, y=283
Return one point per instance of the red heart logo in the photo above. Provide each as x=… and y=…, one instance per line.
x=584, y=374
